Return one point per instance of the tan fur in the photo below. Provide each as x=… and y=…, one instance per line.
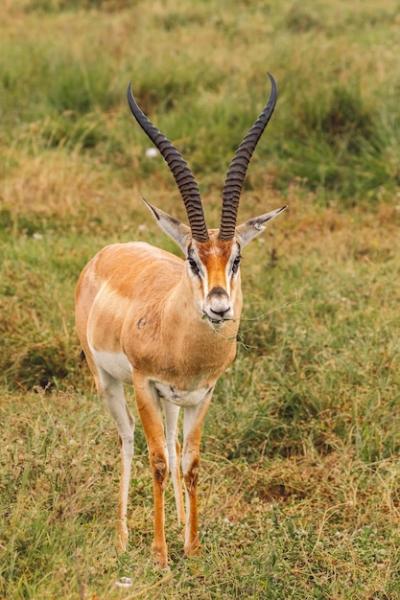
x=141, y=301
x=135, y=300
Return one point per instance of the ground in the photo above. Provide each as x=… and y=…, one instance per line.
x=300, y=478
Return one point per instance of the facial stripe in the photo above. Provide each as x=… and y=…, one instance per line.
x=229, y=266
x=216, y=262
x=216, y=269
x=203, y=278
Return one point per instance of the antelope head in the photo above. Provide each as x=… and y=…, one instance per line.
x=212, y=255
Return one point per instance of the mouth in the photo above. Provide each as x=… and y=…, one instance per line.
x=214, y=321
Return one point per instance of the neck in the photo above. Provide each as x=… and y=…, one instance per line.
x=205, y=345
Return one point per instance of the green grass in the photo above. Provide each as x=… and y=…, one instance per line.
x=300, y=486
x=337, y=70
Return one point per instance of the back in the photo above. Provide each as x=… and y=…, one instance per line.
x=123, y=265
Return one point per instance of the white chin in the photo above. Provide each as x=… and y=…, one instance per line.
x=214, y=320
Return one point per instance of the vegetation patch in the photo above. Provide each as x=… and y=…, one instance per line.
x=300, y=479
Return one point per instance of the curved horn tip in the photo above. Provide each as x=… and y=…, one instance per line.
x=274, y=85
x=129, y=94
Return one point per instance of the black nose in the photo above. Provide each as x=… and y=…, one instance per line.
x=218, y=301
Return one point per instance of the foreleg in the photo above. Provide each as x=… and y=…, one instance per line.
x=150, y=414
x=113, y=393
x=173, y=446
x=192, y=428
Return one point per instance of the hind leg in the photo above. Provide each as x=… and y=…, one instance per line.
x=112, y=392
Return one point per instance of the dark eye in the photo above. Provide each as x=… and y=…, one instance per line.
x=193, y=266
x=236, y=264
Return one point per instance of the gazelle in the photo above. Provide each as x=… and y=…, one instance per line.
x=169, y=326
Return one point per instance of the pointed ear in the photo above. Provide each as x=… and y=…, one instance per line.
x=176, y=230
x=253, y=227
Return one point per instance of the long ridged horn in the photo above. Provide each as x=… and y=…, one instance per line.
x=183, y=176
x=238, y=167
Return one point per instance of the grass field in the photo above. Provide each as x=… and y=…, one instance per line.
x=300, y=485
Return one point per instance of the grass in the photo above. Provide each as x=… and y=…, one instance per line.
x=300, y=486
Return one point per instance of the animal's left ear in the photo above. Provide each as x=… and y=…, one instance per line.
x=253, y=227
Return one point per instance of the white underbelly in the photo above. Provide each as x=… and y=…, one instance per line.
x=115, y=364
x=181, y=397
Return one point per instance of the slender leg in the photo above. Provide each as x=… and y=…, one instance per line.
x=113, y=393
x=150, y=414
x=192, y=426
x=173, y=446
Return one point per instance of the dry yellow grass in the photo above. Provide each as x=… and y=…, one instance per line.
x=300, y=485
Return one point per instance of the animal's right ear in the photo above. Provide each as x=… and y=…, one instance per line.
x=176, y=230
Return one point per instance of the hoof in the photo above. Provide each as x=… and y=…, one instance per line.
x=161, y=557
x=193, y=549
